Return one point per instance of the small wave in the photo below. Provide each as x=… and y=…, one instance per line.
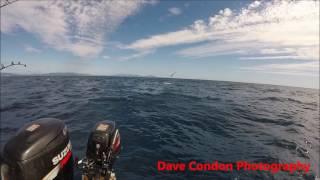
x=213, y=98
x=282, y=99
x=109, y=99
x=302, y=152
x=281, y=122
x=282, y=143
x=276, y=90
x=8, y=130
x=16, y=106
x=183, y=96
x=294, y=100
x=72, y=95
x=272, y=99
x=93, y=89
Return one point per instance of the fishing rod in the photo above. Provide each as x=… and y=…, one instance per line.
x=171, y=75
x=7, y=2
x=12, y=64
x=3, y=4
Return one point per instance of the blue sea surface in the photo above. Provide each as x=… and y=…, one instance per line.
x=175, y=120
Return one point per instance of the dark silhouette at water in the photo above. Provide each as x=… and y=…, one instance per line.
x=178, y=121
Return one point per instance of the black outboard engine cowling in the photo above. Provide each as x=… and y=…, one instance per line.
x=102, y=149
x=104, y=139
x=39, y=150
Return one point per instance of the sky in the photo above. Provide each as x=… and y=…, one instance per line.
x=268, y=42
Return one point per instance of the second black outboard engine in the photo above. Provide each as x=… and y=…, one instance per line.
x=39, y=150
x=102, y=149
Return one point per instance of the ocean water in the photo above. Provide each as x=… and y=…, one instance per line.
x=175, y=120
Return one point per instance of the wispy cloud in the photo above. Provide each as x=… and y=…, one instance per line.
x=79, y=27
x=268, y=57
x=175, y=11
x=281, y=28
x=31, y=49
x=135, y=55
x=306, y=68
x=106, y=57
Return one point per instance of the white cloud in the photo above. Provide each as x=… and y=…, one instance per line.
x=277, y=51
x=151, y=2
x=175, y=11
x=31, y=49
x=106, y=57
x=135, y=55
x=268, y=57
x=306, y=69
x=79, y=27
x=281, y=28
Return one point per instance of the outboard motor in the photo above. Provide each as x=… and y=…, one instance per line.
x=102, y=149
x=39, y=150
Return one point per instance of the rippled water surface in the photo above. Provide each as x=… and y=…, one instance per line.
x=175, y=120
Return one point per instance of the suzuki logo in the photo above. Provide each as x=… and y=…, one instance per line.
x=61, y=155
